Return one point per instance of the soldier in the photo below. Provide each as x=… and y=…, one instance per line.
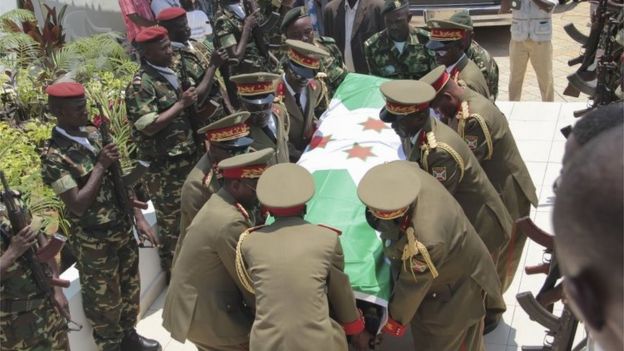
x=194, y=68
x=28, y=320
x=75, y=164
x=158, y=113
x=447, y=44
x=304, y=97
x=477, y=53
x=233, y=32
x=398, y=52
x=226, y=137
x=442, y=268
x=442, y=153
x=296, y=318
x=486, y=132
x=268, y=121
x=206, y=302
x=297, y=25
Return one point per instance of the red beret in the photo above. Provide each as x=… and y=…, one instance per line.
x=170, y=13
x=66, y=90
x=149, y=34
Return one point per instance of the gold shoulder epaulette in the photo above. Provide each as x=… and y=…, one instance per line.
x=431, y=140
x=486, y=134
x=456, y=156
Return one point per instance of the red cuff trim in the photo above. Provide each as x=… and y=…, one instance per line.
x=354, y=327
x=394, y=328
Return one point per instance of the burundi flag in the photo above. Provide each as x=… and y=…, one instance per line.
x=349, y=141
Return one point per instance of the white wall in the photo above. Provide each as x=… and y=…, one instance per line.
x=7, y=5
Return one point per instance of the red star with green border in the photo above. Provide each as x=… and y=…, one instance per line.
x=373, y=124
x=319, y=141
x=361, y=152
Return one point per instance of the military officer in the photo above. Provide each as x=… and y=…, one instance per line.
x=233, y=32
x=28, y=320
x=447, y=44
x=398, y=52
x=311, y=263
x=485, y=130
x=304, y=96
x=75, y=165
x=206, y=303
x=226, y=137
x=442, y=153
x=477, y=53
x=194, y=69
x=442, y=268
x=268, y=121
x=297, y=25
x=161, y=129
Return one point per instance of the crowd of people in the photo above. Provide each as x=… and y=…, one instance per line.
x=223, y=112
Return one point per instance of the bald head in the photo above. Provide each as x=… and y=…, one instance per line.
x=588, y=222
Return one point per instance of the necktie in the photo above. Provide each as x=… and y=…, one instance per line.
x=298, y=101
x=269, y=133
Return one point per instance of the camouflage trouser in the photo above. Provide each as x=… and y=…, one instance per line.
x=39, y=329
x=109, y=280
x=165, y=180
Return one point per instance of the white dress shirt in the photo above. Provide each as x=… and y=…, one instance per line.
x=450, y=68
x=303, y=97
x=349, y=19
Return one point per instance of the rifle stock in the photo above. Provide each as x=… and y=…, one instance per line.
x=42, y=274
x=575, y=34
x=122, y=193
x=535, y=233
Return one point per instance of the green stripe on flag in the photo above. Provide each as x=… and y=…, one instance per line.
x=335, y=203
x=360, y=91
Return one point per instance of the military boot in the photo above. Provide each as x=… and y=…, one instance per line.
x=135, y=342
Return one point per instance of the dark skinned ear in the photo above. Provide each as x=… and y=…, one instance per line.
x=585, y=290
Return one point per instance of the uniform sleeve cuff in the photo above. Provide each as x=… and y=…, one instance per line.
x=394, y=328
x=145, y=120
x=62, y=185
x=354, y=327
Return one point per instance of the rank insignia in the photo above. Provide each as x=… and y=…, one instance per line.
x=439, y=173
x=471, y=140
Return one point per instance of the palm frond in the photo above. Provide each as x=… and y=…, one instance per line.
x=14, y=17
x=24, y=48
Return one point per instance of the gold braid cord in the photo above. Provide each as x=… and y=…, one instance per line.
x=462, y=117
x=239, y=262
x=425, y=148
x=486, y=133
x=456, y=156
x=412, y=249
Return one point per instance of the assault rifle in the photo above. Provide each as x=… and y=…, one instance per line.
x=123, y=193
x=259, y=32
x=36, y=258
x=224, y=70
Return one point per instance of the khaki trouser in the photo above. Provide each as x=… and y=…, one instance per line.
x=540, y=54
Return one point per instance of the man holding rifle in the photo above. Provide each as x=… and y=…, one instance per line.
x=76, y=165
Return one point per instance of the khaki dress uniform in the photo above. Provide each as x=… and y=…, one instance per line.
x=206, y=303
x=318, y=307
x=466, y=71
x=486, y=132
x=442, y=268
x=257, y=93
x=228, y=133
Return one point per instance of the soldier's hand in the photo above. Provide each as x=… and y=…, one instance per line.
x=251, y=21
x=219, y=57
x=146, y=232
x=108, y=155
x=139, y=204
x=60, y=299
x=22, y=241
x=189, y=96
x=361, y=341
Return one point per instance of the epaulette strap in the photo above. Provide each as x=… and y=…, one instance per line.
x=412, y=249
x=242, y=210
x=486, y=133
x=456, y=156
x=431, y=140
x=338, y=231
x=239, y=261
x=462, y=116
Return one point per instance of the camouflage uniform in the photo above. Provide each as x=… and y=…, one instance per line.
x=172, y=152
x=384, y=60
x=333, y=65
x=487, y=65
x=190, y=64
x=107, y=254
x=36, y=327
x=228, y=30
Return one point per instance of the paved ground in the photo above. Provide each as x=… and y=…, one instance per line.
x=535, y=126
x=496, y=41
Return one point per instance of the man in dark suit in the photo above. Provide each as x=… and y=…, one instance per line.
x=350, y=23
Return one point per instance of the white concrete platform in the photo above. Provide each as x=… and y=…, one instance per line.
x=535, y=126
